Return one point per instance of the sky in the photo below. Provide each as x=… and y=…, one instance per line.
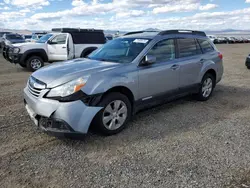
x=125, y=15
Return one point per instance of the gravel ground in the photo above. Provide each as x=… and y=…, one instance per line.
x=184, y=143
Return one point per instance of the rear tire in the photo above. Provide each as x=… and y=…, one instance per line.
x=248, y=67
x=115, y=114
x=34, y=63
x=206, y=87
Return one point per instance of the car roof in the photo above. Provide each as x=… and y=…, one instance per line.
x=170, y=33
x=146, y=35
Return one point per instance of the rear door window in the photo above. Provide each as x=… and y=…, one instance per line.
x=188, y=47
x=205, y=46
x=163, y=50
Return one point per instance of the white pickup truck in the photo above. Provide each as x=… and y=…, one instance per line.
x=59, y=45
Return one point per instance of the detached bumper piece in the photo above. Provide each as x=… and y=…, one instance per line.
x=54, y=125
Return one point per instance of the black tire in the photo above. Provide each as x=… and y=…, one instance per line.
x=248, y=67
x=98, y=124
x=199, y=96
x=29, y=65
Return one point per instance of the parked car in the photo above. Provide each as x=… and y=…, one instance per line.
x=244, y=39
x=220, y=40
x=10, y=39
x=27, y=38
x=248, y=62
x=62, y=44
x=122, y=77
x=239, y=40
x=1, y=38
x=230, y=40
x=212, y=38
x=109, y=37
x=36, y=36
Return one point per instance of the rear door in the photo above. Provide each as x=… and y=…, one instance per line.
x=162, y=77
x=190, y=59
x=57, y=48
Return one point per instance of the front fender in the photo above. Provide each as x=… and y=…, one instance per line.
x=41, y=52
x=109, y=82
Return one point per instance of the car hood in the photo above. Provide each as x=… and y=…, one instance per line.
x=62, y=72
x=16, y=40
x=29, y=44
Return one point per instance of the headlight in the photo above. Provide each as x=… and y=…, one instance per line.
x=16, y=50
x=7, y=42
x=68, y=88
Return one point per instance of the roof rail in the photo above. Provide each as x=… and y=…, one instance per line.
x=75, y=30
x=188, y=32
x=137, y=32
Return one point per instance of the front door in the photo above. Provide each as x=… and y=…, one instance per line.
x=162, y=77
x=57, y=48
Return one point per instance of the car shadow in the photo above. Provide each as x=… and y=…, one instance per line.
x=181, y=115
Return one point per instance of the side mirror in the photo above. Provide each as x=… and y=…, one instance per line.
x=49, y=42
x=148, y=60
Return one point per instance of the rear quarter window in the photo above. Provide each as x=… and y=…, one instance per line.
x=205, y=46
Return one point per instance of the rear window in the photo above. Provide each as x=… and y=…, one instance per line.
x=205, y=46
x=88, y=38
x=188, y=47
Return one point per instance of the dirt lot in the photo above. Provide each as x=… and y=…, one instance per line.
x=181, y=144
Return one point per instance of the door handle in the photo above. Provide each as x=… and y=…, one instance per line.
x=64, y=47
x=202, y=61
x=175, y=67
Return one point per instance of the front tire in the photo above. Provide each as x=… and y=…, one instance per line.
x=206, y=87
x=34, y=63
x=115, y=114
x=248, y=67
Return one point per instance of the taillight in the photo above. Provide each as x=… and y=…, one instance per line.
x=220, y=55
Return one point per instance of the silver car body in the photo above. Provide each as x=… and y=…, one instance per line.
x=143, y=82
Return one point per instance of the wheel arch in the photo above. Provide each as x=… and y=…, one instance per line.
x=87, y=51
x=37, y=52
x=212, y=72
x=121, y=89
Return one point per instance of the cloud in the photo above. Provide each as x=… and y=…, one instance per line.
x=125, y=15
x=27, y=3
x=7, y=16
x=247, y=1
x=26, y=10
x=176, y=8
x=185, y=7
x=132, y=13
x=5, y=8
x=208, y=7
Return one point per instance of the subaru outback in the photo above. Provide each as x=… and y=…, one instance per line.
x=135, y=71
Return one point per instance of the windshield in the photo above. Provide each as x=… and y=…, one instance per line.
x=121, y=50
x=44, y=38
x=9, y=37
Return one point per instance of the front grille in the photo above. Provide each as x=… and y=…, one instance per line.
x=34, y=91
x=35, y=86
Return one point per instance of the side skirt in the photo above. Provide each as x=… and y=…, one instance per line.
x=149, y=102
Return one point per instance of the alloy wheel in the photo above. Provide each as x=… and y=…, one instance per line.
x=115, y=115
